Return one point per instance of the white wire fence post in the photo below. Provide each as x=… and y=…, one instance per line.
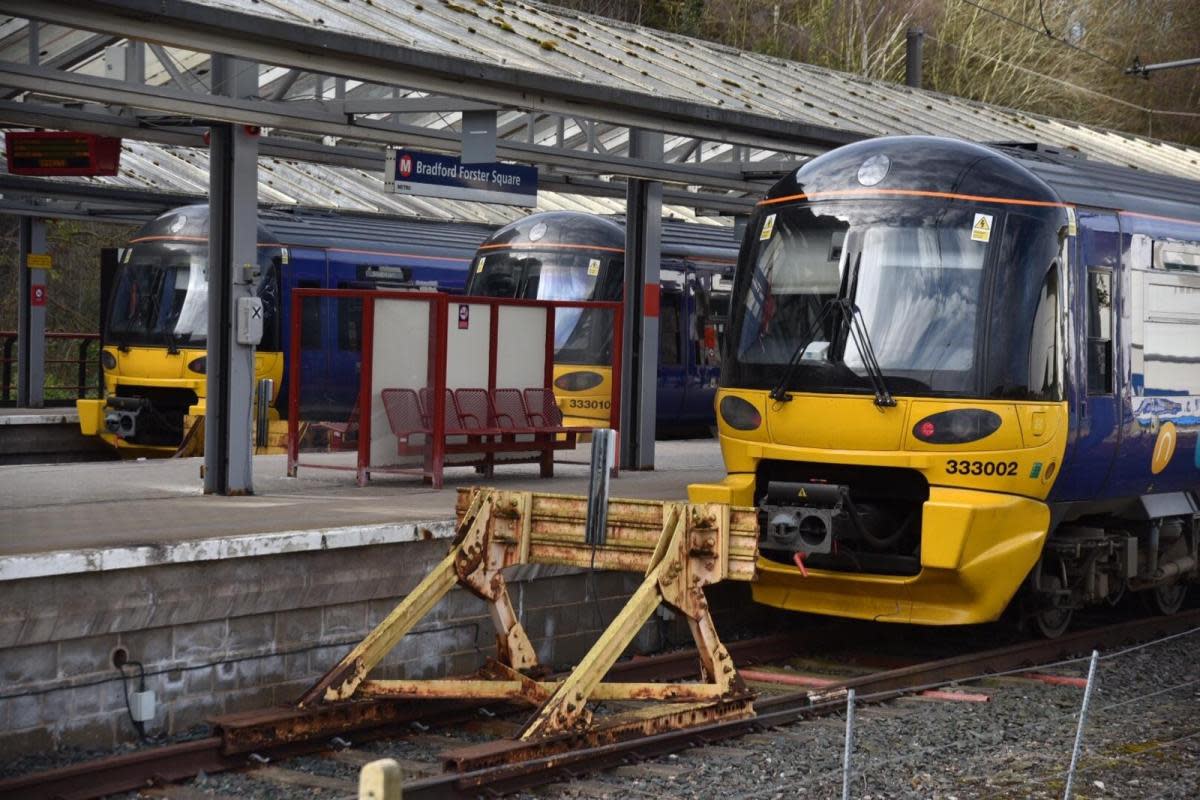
x=1083, y=710
x=849, y=745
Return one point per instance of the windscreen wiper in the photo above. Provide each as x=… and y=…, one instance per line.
x=780, y=393
x=858, y=332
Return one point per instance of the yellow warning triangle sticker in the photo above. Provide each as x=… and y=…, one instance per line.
x=981, y=230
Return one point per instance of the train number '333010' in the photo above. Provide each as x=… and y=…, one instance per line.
x=965, y=467
x=603, y=404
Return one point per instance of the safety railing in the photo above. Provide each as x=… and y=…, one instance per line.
x=72, y=367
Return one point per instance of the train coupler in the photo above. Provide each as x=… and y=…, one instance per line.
x=679, y=548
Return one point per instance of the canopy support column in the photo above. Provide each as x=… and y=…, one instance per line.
x=31, y=315
x=639, y=361
x=232, y=263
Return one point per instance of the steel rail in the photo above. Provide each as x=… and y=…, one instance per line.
x=180, y=761
x=792, y=707
x=177, y=762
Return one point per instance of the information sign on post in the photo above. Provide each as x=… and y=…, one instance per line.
x=433, y=175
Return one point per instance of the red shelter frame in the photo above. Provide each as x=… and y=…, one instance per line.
x=439, y=319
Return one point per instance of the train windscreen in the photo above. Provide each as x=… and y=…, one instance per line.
x=581, y=336
x=160, y=296
x=915, y=277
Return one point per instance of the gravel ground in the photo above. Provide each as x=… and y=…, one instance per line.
x=1142, y=740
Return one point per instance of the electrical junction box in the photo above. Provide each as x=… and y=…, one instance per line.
x=249, y=320
x=141, y=706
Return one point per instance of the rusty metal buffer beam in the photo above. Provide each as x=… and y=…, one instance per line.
x=679, y=547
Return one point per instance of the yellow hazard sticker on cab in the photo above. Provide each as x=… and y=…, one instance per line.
x=593, y=267
x=768, y=228
x=981, y=229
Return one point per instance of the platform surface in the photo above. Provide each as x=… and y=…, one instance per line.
x=39, y=416
x=151, y=504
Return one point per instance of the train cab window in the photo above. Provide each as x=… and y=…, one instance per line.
x=268, y=292
x=668, y=329
x=1099, y=332
x=310, y=317
x=703, y=333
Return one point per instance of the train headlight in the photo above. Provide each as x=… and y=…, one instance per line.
x=198, y=364
x=957, y=427
x=739, y=414
x=578, y=381
x=874, y=169
x=108, y=360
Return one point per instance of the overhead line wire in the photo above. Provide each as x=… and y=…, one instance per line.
x=1067, y=83
x=1045, y=33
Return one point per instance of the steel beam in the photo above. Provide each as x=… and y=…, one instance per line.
x=639, y=361
x=150, y=202
x=232, y=254
x=268, y=40
x=31, y=315
x=314, y=118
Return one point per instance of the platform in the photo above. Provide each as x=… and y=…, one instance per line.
x=234, y=603
x=151, y=504
x=47, y=435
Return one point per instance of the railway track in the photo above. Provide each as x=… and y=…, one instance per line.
x=274, y=736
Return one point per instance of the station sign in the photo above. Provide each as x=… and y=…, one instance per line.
x=433, y=175
x=61, y=153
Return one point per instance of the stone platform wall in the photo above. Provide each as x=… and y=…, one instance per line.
x=237, y=633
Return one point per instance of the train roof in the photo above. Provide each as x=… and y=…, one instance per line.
x=1030, y=173
x=679, y=239
x=1078, y=180
x=326, y=229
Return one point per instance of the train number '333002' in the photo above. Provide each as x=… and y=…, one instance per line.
x=965, y=467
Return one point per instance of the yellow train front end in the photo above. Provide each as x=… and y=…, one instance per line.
x=154, y=400
x=974, y=513
x=155, y=333
x=584, y=394
x=892, y=395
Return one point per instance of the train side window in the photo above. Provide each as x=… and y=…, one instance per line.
x=668, y=329
x=1099, y=332
x=349, y=321
x=310, y=317
x=1177, y=256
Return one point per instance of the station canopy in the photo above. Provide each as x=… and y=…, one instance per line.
x=339, y=80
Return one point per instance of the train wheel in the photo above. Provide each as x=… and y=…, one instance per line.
x=1052, y=622
x=1166, y=599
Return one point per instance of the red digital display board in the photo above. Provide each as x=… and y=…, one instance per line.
x=61, y=153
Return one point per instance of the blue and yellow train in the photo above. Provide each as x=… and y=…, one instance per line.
x=562, y=255
x=960, y=379
x=156, y=313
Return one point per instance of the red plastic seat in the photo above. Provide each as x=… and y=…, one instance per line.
x=543, y=409
x=474, y=408
x=342, y=435
x=510, y=410
x=450, y=414
x=404, y=414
